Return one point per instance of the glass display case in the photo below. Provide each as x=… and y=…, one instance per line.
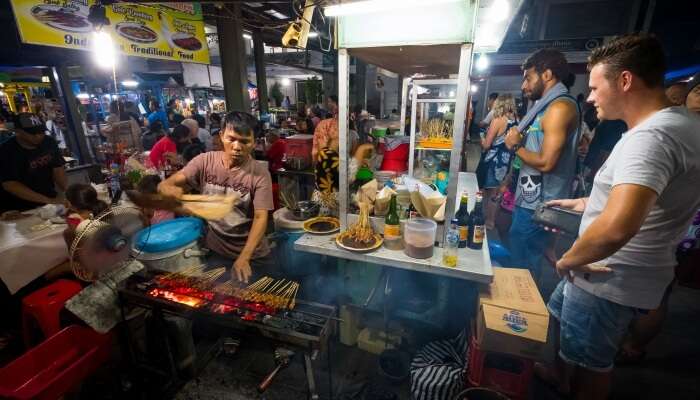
x=432, y=130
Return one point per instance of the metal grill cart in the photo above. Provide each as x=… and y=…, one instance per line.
x=306, y=329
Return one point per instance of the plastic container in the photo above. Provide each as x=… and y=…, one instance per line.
x=396, y=159
x=171, y=245
x=287, y=231
x=378, y=132
x=508, y=374
x=56, y=365
x=419, y=237
x=169, y=235
x=382, y=177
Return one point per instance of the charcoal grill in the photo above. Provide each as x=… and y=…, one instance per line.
x=306, y=328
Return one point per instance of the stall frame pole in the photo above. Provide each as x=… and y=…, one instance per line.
x=463, y=97
x=233, y=60
x=343, y=105
x=75, y=136
x=404, y=103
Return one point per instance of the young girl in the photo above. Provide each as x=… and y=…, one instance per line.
x=83, y=203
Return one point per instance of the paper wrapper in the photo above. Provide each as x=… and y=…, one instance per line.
x=367, y=193
x=428, y=202
x=381, y=202
x=211, y=208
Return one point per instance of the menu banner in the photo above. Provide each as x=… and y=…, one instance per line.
x=168, y=31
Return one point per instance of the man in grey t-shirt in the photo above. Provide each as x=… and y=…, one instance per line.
x=643, y=199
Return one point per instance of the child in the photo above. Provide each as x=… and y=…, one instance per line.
x=83, y=203
x=149, y=185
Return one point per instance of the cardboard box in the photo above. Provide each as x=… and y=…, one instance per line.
x=511, y=316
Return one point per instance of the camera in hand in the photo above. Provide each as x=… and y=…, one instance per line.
x=561, y=219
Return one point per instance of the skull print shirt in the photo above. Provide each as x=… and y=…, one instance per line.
x=535, y=186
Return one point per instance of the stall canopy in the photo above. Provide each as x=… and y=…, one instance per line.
x=440, y=59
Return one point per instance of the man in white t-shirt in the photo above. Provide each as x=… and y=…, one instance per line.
x=643, y=199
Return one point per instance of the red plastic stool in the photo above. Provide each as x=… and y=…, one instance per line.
x=55, y=366
x=44, y=306
x=505, y=373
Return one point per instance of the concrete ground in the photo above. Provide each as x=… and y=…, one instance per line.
x=670, y=371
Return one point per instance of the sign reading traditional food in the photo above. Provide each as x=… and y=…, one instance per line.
x=170, y=31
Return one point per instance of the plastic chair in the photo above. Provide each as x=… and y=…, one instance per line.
x=43, y=308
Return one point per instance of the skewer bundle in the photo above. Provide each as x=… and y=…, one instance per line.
x=194, y=277
x=279, y=294
x=361, y=231
x=436, y=129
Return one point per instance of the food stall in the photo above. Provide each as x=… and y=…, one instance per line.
x=434, y=50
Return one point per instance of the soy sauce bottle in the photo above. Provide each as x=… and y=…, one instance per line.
x=477, y=228
x=462, y=217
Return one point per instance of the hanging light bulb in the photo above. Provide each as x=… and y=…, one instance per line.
x=482, y=62
x=103, y=49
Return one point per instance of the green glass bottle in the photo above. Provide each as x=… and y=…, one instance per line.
x=392, y=227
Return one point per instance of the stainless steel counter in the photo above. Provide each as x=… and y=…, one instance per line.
x=474, y=265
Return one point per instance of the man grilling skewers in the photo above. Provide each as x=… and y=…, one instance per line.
x=237, y=239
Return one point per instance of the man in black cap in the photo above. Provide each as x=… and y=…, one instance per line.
x=31, y=166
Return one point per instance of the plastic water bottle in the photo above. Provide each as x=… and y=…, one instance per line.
x=114, y=186
x=449, y=250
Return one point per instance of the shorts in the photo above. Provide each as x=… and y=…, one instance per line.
x=591, y=328
x=491, y=182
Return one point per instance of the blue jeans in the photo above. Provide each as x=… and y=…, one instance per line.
x=527, y=241
x=591, y=328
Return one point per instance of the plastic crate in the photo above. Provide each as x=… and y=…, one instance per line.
x=56, y=365
x=507, y=374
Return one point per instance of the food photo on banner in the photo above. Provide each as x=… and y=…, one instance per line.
x=170, y=32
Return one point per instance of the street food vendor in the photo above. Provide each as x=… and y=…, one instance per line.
x=239, y=238
x=31, y=166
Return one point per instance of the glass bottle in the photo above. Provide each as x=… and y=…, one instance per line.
x=392, y=227
x=462, y=217
x=477, y=230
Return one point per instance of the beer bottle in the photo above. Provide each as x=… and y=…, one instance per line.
x=392, y=227
x=462, y=217
x=477, y=230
